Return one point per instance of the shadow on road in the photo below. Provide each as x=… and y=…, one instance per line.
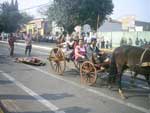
x=28, y=97
x=66, y=110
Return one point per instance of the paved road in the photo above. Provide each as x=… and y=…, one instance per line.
x=30, y=89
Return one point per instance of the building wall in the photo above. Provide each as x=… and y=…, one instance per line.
x=36, y=26
x=110, y=26
x=146, y=25
x=116, y=36
x=31, y=29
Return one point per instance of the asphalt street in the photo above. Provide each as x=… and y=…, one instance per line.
x=31, y=89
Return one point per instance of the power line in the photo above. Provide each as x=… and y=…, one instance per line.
x=33, y=7
x=37, y=6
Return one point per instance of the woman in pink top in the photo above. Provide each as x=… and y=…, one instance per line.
x=80, y=50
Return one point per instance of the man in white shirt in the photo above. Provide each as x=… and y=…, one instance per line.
x=28, y=42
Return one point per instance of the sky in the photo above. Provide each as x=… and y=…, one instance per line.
x=138, y=8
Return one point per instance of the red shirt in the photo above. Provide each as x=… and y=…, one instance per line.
x=11, y=41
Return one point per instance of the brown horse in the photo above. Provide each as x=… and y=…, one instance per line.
x=135, y=58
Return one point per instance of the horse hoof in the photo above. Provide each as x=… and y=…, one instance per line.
x=122, y=95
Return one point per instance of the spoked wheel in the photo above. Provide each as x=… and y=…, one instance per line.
x=88, y=73
x=57, y=61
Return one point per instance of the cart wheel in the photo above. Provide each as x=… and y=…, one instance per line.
x=57, y=61
x=88, y=73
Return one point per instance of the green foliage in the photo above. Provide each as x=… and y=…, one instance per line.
x=69, y=13
x=25, y=18
x=10, y=17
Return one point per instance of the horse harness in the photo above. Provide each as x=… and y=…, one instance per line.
x=144, y=64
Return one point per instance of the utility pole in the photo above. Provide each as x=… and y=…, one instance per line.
x=97, y=23
x=97, y=26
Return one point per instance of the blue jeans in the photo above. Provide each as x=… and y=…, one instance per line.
x=28, y=49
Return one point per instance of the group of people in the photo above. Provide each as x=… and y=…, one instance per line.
x=124, y=41
x=138, y=42
x=78, y=48
x=28, y=43
x=141, y=42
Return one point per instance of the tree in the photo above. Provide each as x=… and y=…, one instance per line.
x=25, y=18
x=10, y=17
x=69, y=13
x=1, y=25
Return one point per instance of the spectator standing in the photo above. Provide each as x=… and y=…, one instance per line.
x=110, y=44
x=103, y=44
x=145, y=42
x=123, y=41
x=11, y=41
x=130, y=42
x=137, y=42
x=28, y=42
x=107, y=44
x=141, y=42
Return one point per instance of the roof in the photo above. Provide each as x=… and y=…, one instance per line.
x=36, y=20
x=110, y=25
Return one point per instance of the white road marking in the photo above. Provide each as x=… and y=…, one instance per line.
x=131, y=105
x=43, y=101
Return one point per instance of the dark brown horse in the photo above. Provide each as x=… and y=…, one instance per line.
x=135, y=58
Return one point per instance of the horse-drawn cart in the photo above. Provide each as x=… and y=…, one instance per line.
x=88, y=70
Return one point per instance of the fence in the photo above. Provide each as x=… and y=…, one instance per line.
x=117, y=36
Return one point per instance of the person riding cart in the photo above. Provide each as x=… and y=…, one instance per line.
x=95, y=54
x=80, y=51
x=67, y=46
